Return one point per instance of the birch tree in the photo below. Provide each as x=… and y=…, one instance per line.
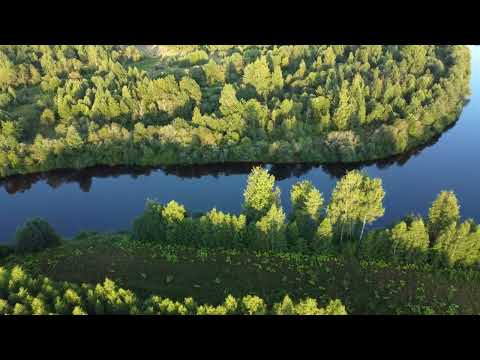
x=260, y=194
x=356, y=199
x=307, y=202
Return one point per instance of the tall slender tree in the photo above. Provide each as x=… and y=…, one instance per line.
x=443, y=212
x=260, y=194
x=356, y=199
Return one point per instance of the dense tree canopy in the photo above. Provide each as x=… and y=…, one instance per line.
x=83, y=105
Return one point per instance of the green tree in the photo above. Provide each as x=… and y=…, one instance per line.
x=329, y=57
x=443, y=212
x=48, y=117
x=229, y=103
x=358, y=86
x=410, y=242
x=302, y=68
x=214, y=73
x=255, y=114
x=271, y=234
x=73, y=138
x=320, y=112
x=258, y=75
x=7, y=71
x=197, y=57
x=173, y=216
x=220, y=229
x=35, y=76
x=343, y=112
x=150, y=225
x=323, y=239
x=260, y=194
x=458, y=244
x=173, y=212
x=35, y=235
x=191, y=87
x=277, y=79
x=307, y=204
x=356, y=199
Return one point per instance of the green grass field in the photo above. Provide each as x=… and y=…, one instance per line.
x=209, y=275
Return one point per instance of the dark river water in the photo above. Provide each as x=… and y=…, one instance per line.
x=107, y=199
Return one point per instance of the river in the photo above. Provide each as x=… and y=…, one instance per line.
x=107, y=199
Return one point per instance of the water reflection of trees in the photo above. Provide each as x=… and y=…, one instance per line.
x=84, y=178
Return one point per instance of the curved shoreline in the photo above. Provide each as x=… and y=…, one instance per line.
x=282, y=170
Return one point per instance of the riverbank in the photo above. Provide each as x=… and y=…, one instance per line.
x=352, y=148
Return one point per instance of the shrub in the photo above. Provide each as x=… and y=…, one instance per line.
x=165, y=223
x=22, y=294
x=253, y=305
x=376, y=245
x=335, y=307
x=5, y=251
x=36, y=235
x=410, y=241
x=286, y=307
x=149, y=226
x=173, y=215
x=323, y=239
x=219, y=229
x=47, y=117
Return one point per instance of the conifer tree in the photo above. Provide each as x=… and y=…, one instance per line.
x=7, y=71
x=329, y=56
x=343, y=112
x=277, y=79
x=229, y=103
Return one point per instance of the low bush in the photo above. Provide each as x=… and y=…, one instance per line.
x=37, y=234
x=5, y=251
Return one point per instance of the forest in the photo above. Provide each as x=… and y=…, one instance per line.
x=77, y=106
